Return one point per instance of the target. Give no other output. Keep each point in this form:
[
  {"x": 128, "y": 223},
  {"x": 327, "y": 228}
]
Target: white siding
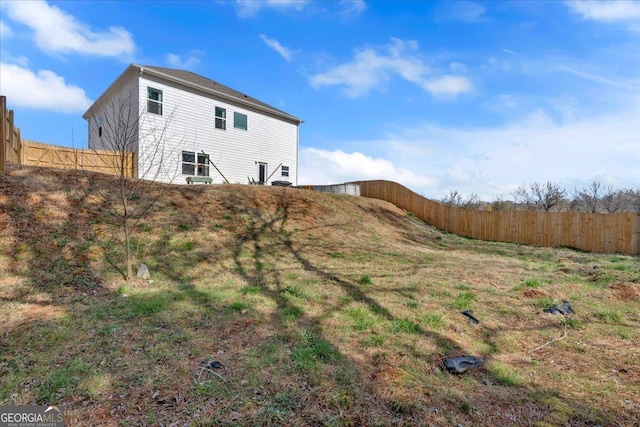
[
  {"x": 108, "y": 111},
  {"x": 188, "y": 123}
]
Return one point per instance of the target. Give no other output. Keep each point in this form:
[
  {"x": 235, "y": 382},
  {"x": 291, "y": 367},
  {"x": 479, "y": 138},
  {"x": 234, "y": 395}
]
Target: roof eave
[
  {"x": 219, "y": 94},
  {"x": 109, "y": 89}
]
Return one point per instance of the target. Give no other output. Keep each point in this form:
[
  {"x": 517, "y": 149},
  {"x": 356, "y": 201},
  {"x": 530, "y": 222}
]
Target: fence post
[
  {"x": 3, "y": 133},
  {"x": 638, "y": 234},
  {"x": 22, "y": 153}
]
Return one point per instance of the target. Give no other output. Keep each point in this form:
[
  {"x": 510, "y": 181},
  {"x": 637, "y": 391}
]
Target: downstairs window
[{"x": 195, "y": 164}]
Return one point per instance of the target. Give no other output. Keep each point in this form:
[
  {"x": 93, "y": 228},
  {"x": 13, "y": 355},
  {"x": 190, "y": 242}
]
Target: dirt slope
[{"x": 322, "y": 309}]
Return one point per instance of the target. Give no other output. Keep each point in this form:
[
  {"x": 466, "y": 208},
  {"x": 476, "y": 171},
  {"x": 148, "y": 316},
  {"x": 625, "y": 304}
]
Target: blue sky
[{"x": 478, "y": 97}]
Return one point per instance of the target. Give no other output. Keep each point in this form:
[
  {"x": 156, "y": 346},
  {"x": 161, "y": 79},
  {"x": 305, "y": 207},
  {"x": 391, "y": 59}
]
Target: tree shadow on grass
[
  {"x": 116, "y": 345},
  {"x": 266, "y": 236}
]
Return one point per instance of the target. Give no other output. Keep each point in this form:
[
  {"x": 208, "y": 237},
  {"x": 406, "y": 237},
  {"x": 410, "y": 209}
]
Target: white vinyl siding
[
  {"x": 236, "y": 152},
  {"x": 105, "y": 115}
]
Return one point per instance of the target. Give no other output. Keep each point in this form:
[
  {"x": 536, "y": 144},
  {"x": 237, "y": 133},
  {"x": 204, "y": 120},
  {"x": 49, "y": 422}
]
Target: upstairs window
[
  {"x": 100, "y": 126},
  {"x": 285, "y": 171},
  {"x": 195, "y": 164},
  {"x": 221, "y": 118},
  {"x": 154, "y": 101},
  {"x": 240, "y": 121}
]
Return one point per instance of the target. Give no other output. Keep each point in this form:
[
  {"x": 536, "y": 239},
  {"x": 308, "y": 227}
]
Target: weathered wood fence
[
  {"x": 37, "y": 154},
  {"x": 10, "y": 147},
  {"x": 605, "y": 233},
  {"x": 15, "y": 150}
]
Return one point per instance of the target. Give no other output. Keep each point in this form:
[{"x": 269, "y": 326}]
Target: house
[{"x": 180, "y": 124}]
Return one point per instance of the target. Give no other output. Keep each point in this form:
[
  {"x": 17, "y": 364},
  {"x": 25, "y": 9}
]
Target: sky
[{"x": 475, "y": 97}]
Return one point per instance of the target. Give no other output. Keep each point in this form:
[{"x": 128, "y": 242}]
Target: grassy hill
[{"x": 322, "y": 310}]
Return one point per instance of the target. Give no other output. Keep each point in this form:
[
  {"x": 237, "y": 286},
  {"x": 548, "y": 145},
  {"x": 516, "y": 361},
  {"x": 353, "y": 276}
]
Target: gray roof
[{"x": 213, "y": 87}]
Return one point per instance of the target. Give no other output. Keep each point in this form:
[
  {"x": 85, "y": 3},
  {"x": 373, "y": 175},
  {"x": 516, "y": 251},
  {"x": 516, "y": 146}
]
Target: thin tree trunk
[
  {"x": 127, "y": 232},
  {"x": 127, "y": 236}
]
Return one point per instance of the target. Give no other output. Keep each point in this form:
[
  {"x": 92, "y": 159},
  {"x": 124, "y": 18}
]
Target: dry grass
[{"x": 323, "y": 309}]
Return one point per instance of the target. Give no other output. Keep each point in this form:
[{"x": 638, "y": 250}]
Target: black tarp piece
[
  {"x": 210, "y": 364},
  {"x": 459, "y": 365},
  {"x": 470, "y": 316},
  {"x": 563, "y": 309}
]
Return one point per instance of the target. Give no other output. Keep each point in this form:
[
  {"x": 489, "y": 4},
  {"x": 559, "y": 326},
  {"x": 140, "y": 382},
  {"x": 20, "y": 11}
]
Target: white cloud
[
  {"x": 45, "y": 90},
  {"x": 192, "y": 60},
  {"x": 332, "y": 167},
  {"x": 457, "y": 67},
  {"x": 596, "y": 78},
  {"x": 448, "y": 86},
  {"x": 606, "y": 11},
  {"x": 370, "y": 69},
  {"x": 275, "y": 45},
  {"x": 57, "y": 31},
  {"x": 248, "y": 8},
  {"x": 492, "y": 161},
  {"x": 21, "y": 60},
  {"x": 461, "y": 11},
  {"x": 352, "y": 7},
  {"x": 5, "y": 30}
]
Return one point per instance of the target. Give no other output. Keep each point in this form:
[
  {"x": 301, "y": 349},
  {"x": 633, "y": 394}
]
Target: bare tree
[
  {"x": 118, "y": 130},
  {"x": 589, "y": 198},
  {"x": 626, "y": 200},
  {"x": 539, "y": 196},
  {"x": 454, "y": 198},
  {"x": 635, "y": 199},
  {"x": 499, "y": 204}
]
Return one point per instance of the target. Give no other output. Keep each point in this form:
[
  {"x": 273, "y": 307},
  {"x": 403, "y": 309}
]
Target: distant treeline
[{"x": 551, "y": 197}]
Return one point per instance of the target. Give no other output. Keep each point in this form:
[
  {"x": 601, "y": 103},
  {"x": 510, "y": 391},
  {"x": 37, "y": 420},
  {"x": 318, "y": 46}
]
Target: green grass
[
  {"x": 312, "y": 351},
  {"x": 239, "y": 306},
  {"x": 608, "y": 316},
  {"x": 294, "y": 291},
  {"x": 432, "y": 320},
  {"x": 533, "y": 283},
  {"x": 463, "y": 301},
  {"x": 250, "y": 290},
  {"x": 406, "y": 326},
  {"x": 291, "y": 313},
  {"x": 412, "y": 304},
  {"x": 544, "y": 302},
  {"x": 323, "y": 311},
  {"x": 505, "y": 375},
  {"x": 365, "y": 280},
  {"x": 361, "y": 318},
  {"x": 373, "y": 341}
]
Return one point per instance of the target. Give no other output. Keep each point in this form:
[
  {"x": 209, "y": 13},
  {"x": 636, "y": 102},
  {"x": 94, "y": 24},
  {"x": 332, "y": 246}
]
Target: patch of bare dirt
[
  {"x": 535, "y": 293},
  {"x": 625, "y": 291}
]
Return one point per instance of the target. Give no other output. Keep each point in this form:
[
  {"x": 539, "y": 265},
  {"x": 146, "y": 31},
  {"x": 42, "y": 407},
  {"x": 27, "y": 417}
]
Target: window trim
[
  {"x": 200, "y": 163},
  {"x": 246, "y": 121},
  {"x": 222, "y": 118},
  {"x": 158, "y": 102}
]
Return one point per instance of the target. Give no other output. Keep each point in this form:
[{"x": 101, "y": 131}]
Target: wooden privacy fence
[
  {"x": 37, "y": 154},
  {"x": 605, "y": 233},
  {"x": 10, "y": 147},
  {"x": 15, "y": 150}
]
